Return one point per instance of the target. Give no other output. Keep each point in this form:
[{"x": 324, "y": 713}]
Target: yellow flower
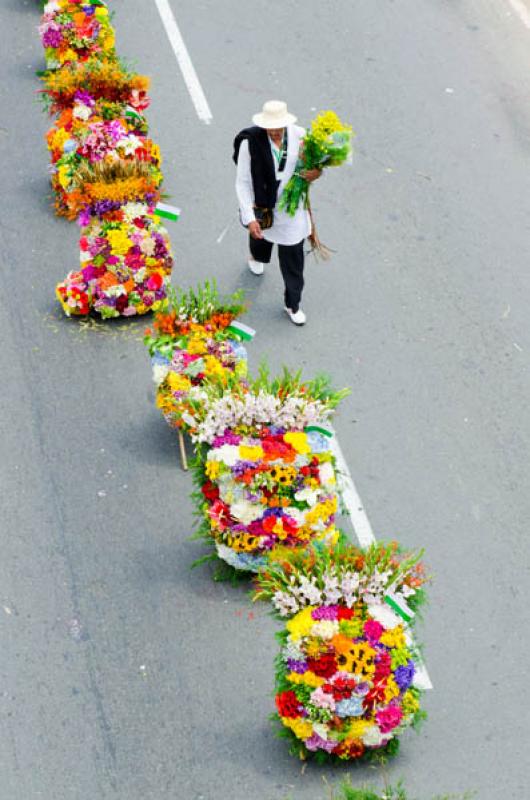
[
  {"x": 101, "y": 12},
  {"x": 68, "y": 55},
  {"x": 62, "y": 174},
  {"x": 283, "y": 475},
  {"x": 212, "y": 469},
  {"x": 356, "y": 728},
  {"x": 392, "y": 689},
  {"x": 119, "y": 242},
  {"x": 395, "y": 637},
  {"x": 301, "y": 624},
  {"x": 301, "y": 727},
  {"x": 178, "y": 383},
  {"x": 410, "y": 703},
  {"x": 298, "y": 441},
  {"x": 314, "y": 647},
  {"x": 327, "y": 123},
  {"x": 59, "y": 138},
  {"x": 196, "y": 346},
  {"x": 308, "y": 679},
  {"x": 250, "y": 452},
  {"x": 212, "y": 366}
]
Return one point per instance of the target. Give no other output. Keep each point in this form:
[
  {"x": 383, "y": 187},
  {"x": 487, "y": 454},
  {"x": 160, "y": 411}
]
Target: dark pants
[{"x": 291, "y": 257}]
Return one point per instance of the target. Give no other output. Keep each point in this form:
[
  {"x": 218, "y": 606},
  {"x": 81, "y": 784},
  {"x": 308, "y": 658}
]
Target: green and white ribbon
[
  {"x": 241, "y": 331},
  {"x": 398, "y": 604},
  {"x": 132, "y": 113},
  {"x": 322, "y": 429},
  {"x": 167, "y": 212}
]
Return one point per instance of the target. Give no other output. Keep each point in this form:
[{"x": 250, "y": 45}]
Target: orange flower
[{"x": 108, "y": 280}]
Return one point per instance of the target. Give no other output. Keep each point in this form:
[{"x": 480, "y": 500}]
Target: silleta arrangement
[
  {"x": 125, "y": 259},
  {"x": 345, "y": 677},
  {"x": 96, "y": 132},
  {"x": 327, "y": 144},
  {"x": 105, "y": 170},
  {"x": 265, "y": 470},
  {"x": 74, "y": 31},
  {"x": 195, "y": 339}
]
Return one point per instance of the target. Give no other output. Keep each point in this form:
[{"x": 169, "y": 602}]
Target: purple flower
[
  {"x": 84, "y": 217},
  {"x": 326, "y": 612},
  {"x": 52, "y": 37},
  {"x": 84, "y": 98},
  {"x": 228, "y": 437},
  {"x": 297, "y": 666},
  {"x": 316, "y": 742},
  {"x": 405, "y": 675}
]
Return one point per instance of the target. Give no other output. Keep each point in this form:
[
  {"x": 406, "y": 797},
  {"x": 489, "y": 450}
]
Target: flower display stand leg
[{"x": 183, "y": 456}]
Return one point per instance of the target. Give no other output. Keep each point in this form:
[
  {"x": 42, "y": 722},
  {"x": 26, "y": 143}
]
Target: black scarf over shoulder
[{"x": 261, "y": 165}]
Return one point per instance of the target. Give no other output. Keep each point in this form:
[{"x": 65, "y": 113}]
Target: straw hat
[{"x": 273, "y": 115}]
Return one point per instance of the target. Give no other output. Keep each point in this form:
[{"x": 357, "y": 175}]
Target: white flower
[
  {"x": 321, "y": 730},
  {"x": 331, "y": 589},
  {"x": 372, "y": 736},
  {"x": 82, "y": 112},
  {"x": 246, "y": 512},
  {"x": 310, "y": 591},
  {"x": 227, "y": 453},
  {"x": 309, "y": 495},
  {"x": 325, "y": 628},
  {"x": 287, "y": 606},
  {"x": 133, "y": 210},
  {"x": 292, "y": 649},
  {"x": 327, "y": 474},
  {"x": 159, "y": 373},
  {"x": 383, "y": 614}
]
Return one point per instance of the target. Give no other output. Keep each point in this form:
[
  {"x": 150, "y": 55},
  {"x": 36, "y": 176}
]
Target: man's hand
[
  {"x": 254, "y": 228},
  {"x": 311, "y": 175}
]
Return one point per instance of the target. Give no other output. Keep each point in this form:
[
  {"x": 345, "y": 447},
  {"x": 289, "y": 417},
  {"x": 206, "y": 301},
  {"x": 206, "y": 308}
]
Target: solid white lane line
[
  {"x": 184, "y": 61},
  {"x": 350, "y": 496},
  {"x": 365, "y": 534},
  {"x": 522, "y": 11}
]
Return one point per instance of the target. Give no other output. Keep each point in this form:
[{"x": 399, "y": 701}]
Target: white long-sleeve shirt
[{"x": 285, "y": 229}]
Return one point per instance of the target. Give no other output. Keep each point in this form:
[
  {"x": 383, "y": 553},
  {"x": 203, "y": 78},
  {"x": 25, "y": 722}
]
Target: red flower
[
  {"x": 219, "y": 512},
  {"x": 383, "y": 666},
  {"x": 287, "y": 704},
  {"x": 210, "y": 491},
  {"x": 346, "y": 613},
  {"x": 269, "y": 523},
  {"x": 342, "y": 688},
  {"x": 351, "y": 750},
  {"x": 376, "y": 694},
  {"x": 324, "y": 667}
]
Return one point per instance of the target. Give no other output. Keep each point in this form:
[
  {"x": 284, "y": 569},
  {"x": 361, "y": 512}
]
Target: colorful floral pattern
[
  {"x": 96, "y": 133},
  {"x": 74, "y": 30},
  {"x": 125, "y": 261},
  {"x": 274, "y": 490},
  {"x": 346, "y": 674}
]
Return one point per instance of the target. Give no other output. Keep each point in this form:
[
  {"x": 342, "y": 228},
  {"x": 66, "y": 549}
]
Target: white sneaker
[
  {"x": 256, "y": 267},
  {"x": 298, "y": 317}
]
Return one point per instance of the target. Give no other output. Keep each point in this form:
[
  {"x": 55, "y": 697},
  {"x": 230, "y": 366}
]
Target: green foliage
[{"x": 291, "y": 383}]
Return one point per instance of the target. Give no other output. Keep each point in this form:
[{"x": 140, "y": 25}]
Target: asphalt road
[{"x": 123, "y": 674}]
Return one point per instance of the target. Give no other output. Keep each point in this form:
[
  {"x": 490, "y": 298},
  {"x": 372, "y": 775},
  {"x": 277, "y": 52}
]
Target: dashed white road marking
[
  {"x": 364, "y": 532},
  {"x": 191, "y": 78}
]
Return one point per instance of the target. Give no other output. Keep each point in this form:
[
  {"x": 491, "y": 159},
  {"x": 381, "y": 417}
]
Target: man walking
[{"x": 266, "y": 156}]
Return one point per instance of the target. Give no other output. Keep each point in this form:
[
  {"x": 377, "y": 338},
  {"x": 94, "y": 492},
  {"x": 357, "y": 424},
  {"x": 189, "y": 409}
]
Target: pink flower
[
  {"x": 388, "y": 718},
  {"x": 373, "y": 630},
  {"x": 322, "y": 699}
]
